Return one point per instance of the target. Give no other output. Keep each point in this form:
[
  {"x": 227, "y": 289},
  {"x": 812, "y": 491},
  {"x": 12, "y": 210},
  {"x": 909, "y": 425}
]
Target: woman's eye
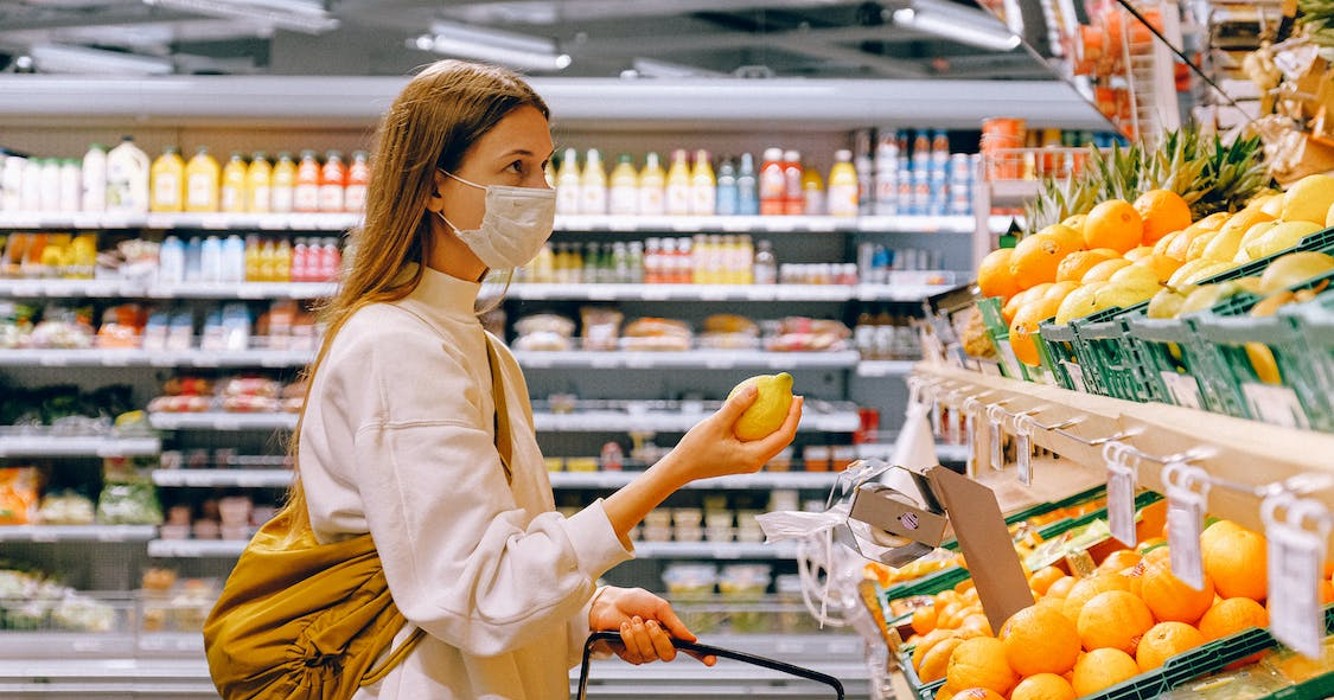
[{"x": 517, "y": 167}]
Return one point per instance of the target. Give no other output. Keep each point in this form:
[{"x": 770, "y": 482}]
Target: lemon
[
  {"x": 1309, "y": 199},
  {"x": 770, "y": 408}
]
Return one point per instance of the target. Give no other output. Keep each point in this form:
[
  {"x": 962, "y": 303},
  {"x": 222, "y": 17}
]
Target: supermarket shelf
[
  {"x": 692, "y": 359},
  {"x": 1250, "y": 456},
  {"x": 741, "y": 482},
  {"x": 77, "y": 533},
  {"x": 196, "y": 549},
  {"x": 884, "y": 368},
  {"x": 216, "y": 420},
  {"x": 210, "y": 478},
  {"x": 623, "y": 421},
  {"x": 47, "y": 445},
  {"x": 117, "y": 288},
  {"x": 683, "y": 292},
  {"x": 192, "y": 221},
  {"x": 899, "y": 292},
  {"x": 714, "y": 550},
  {"x": 96, "y": 357}
]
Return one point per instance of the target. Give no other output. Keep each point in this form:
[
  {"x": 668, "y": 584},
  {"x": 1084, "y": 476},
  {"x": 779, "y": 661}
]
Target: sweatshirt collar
[{"x": 442, "y": 296}]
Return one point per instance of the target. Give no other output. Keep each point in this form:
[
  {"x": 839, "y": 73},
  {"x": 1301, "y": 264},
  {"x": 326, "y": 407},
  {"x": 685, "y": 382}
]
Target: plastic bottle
[
  {"x": 300, "y": 269},
  {"x": 747, "y": 188},
  {"x": 812, "y": 192},
  {"x": 358, "y": 178},
  {"x": 635, "y": 261},
  {"x": 259, "y": 184},
  {"x": 201, "y": 182},
  {"x": 921, "y": 151},
  {"x": 333, "y": 180},
  {"x": 283, "y": 182},
  {"x": 282, "y": 261},
  {"x": 330, "y": 260},
  {"x": 11, "y": 183},
  {"x": 70, "y": 185},
  {"x": 652, "y": 187},
  {"x": 727, "y": 196},
  {"x": 593, "y": 185},
  {"x": 940, "y": 150},
  {"x": 652, "y": 260},
  {"x": 624, "y": 192},
  {"x": 168, "y": 182},
  {"x": 94, "y": 171},
  {"x": 210, "y": 260},
  {"x": 773, "y": 183},
  {"x": 30, "y": 195},
  {"x": 568, "y": 197},
  {"x": 703, "y": 186},
  {"x": 794, "y": 201},
  {"x": 233, "y": 259},
  {"x": 232, "y": 195},
  {"x": 49, "y": 199},
  {"x": 265, "y": 261},
  {"x": 194, "y": 251},
  {"x": 171, "y": 261},
  {"x": 765, "y": 268},
  {"x": 127, "y": 178},
  {"x": 843, "y": 186},
  {"x": 306, "y": 188},
  {"x": 678, "y": 185},
  {"x": 252, "y": 268}
]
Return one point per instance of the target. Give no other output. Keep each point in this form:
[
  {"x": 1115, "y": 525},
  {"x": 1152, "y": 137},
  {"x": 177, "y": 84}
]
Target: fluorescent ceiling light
[
  {"x": 293, "y": 15},
  {"x": 970, "y": 27},
  {"x": 653, "y": 68},
  {"x": 64, "y": 58},
  {"x": 484, "y": 44}
]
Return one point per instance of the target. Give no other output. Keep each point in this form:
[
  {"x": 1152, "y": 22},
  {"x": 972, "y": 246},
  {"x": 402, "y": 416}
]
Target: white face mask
[{"x": 517, "y": 223}]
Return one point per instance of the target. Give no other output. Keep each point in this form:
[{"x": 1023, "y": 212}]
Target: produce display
[
  {"x": 235, "y": 394},
  {"x": 30, "y": 601},
  {"x": 602, "y": 330}
]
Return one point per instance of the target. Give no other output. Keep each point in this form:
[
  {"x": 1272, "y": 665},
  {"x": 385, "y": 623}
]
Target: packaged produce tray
[{"x": 999, "y": 332}]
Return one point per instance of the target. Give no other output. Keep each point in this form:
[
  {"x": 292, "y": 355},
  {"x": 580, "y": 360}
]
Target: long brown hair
[{"x": 441, "y": 113}]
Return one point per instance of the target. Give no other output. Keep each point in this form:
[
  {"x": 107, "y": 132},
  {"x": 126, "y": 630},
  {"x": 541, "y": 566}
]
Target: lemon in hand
[{"x": 770, "y": 408}]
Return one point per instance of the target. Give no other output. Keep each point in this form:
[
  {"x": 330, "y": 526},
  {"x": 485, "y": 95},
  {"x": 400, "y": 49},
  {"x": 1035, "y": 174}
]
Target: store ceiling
[{"x": 602, "y": 38}]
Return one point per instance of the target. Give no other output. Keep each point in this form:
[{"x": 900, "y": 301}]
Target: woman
[{"x": 399, "y": 435}]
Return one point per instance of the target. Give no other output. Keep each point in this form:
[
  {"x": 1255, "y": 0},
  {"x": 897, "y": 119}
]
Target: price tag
[
  {"x": 989, "y": 368},
  {"x": 1076, "y": 375},
  {"x": 116, "y": 359},
  {"x": 970, "y": 436},
  {"x": 655, "y": 293},
  {"x": 760, "y": 292},
  {"x": 226, "y": 424},
  {"x": 780, "y": 225},
  {"x": 638, "y": 360},
  {"x": 597, "y": 361},
  {"x": 537, "y": 361},
  {"x": 937, "y": 420},
  {"x": 952, "y": 425},
  {"x": 1275, "y": 404},
  {"x": 1296, "y": 568},
  {"x": 1023, "y": 445},
  {"x": 111, "y": 534},
  {"x": 713, "y": 293},
  {"x": 994, "y": 437},
  {"x": 1121, "y": 499},
  {"x": 54, "y": 358},
  {"x": 596, "y": 293},
  {"x": 1009, "y": 359},
  {"x": 1185, "y": 520},
  {"x": 1184, "y": 390},
  {"x": 780, "y": 363}
]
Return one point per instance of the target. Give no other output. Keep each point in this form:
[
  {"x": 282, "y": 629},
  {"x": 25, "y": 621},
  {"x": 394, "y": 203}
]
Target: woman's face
[{"x": 514, "y": 153}]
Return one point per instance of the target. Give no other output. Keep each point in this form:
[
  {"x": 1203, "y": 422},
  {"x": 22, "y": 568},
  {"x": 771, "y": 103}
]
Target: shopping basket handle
[{"x": 706, "y": 650}]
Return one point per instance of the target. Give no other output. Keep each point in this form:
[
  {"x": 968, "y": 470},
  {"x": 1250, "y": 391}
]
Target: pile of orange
[{"x": 1087, "y": 634}]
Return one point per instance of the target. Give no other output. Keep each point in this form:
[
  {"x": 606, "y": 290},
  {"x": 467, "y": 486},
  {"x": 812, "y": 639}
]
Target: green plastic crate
[
  {"x": 1169, "y": 353},
  {"x": 930, "y": 584},
  {"x": 999, "y": 331},
  {"x": 1316, "y": 323},
  {"x": 1108, "y": 351},
  {"x": 1056, "y": 344}
]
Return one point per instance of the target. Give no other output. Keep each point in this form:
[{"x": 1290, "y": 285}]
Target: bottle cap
[
  {"x": 791, "y": 156},
  {"x": 773, "y": 154},
  {"x": 843, "y": 155}
]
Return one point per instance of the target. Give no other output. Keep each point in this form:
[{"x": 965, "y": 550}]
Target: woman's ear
[{"x": 436, "y": 202}]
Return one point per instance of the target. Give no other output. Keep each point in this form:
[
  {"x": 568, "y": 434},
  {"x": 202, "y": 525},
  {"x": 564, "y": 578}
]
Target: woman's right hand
[{"x": 711, "y": 448}]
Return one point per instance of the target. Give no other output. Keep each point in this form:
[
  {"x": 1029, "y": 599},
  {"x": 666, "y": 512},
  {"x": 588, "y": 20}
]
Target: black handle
[{"x": 706, "y": 650}]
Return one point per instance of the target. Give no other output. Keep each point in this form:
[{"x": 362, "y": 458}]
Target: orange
[
  {"x": 994, "y": 277},
  {"x": 1135, "y": 575},
  {"x": 1161, "y": 265},
  {"x": 1036, "y": 258},
  {"x": 1163, "y": 212},
  {"x": 935, "y": 661},
  {"x": 1163, "y": 641},
  {"x": 1161, "y": 554},
  {"x": 1058, "y": 291},
  {"x": 978, "y": 621},
  {"x": 1231, "y": 616},
  {"x": 928, "y": 641},
  {"x": 1070, "y": 237},
  {"x": 1017, "y": 301},
  {"x": 1024, "y": 329},
  {"x": 1085, "y": 590},
  {"x": 977, "y": 694},
  {"x": 1102, "y": 668},
  {"x": 944, "y": 598},
  {"x": 1044, "y": 578},
  {"x": 1039, "y": 639},
  {"x": 1237, "y": 560},
  {"x": 1043, "y": 686},
  {"x": 1119, "y": 560},
  {"x": 1076, "y": 264},
  {"x": 981, "y": 663},
  {"x": 1137, "y": 254},
  {"x": 1061, "y": 588},
  {"x": 1171, "y": 599},
  {"x": 1114, "y": 619},
  {"x": 1104, "y": 270},
  {"x": 1113, "y": 224},
  {"x": 924, "y": 620}
]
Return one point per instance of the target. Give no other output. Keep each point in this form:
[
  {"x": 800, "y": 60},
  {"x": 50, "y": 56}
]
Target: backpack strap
[{"x": 504, "y": 438}]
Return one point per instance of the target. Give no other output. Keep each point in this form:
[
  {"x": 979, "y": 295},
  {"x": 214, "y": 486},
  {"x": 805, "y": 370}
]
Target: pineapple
[{"x": 1317, "y": 17}]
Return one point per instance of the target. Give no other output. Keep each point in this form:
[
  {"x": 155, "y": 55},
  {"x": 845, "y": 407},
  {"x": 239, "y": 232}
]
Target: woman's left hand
[{"x": 645, "y": 621}]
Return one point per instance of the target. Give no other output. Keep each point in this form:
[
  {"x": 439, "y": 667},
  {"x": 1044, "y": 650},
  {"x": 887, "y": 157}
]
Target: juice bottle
[
  {"x": 624, "y": 193},
  {"x": 252, "y": 269},
  {"x": 593, "y": 185},
  {"x": 259, "y": 184},
  {"x": 70, "y": 185},
  {"x": 703, "y": 186},
  {"x": 331, "y": 259},
  {"x": 234, "y": 184},
  {"x": 94, "y": 173},
  {"x": 747, "y": 188},
  {"x": 728, "y": 198},
  {"x": 794, "y": 201},
  {"x": 306, "y": 189},
  {"x": 50, "y": 185},
  {"x": 201, "y": 182},
  {"x": 358, "y": 178},
  {"x": 282, "y": 262},
  {"x": 333, "y": 179},
  {"x": 210, "y": 260},
  {"x": 746, "y": 261},
  {"x": 300, "y": 261},
  {"x": 764, "y": 270},
  {"x": 772, "y": 182},
  {"x": 127, "y": 178},
  {"x": 921, "y": 151},
  {"x": 812, "y": 190},
  {"x": 843, "y": 186},
  {"x": 678, "y": 185},
  {"x": 265, "y": 262},
  {"x": 233, "y": 259},
  {"x": 283, "y": 182},
  {"x": 567, "y": 184},
  {"x": 652, "y": 187},
  {"x": 168, "y": 182}
]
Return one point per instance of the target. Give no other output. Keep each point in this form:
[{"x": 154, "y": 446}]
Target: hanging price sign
[
  {"x": 1187, "y": 500},
  {"x": 995, "y": 437},
  {"x": 1023, "y": 448},
  {"x": 1297, "y": 531},
  {"x": 1121, "y": 483}
]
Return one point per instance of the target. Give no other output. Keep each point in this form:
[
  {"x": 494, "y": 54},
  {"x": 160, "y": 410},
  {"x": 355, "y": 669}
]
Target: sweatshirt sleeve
[{"x": 464, "y": 562}]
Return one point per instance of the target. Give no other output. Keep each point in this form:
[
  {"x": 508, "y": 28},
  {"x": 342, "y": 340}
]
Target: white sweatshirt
[{"x": 398, "y": 441}]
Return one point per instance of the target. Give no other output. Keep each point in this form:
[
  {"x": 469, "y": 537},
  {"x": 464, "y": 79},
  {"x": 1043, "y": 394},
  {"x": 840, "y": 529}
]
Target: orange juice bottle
[
  {"x": 358, "y": 178},
  {"x": 842, "y": 196},
  {"x": 201, "y": 182},
  {"x": 259, "y": 184},
  {"x": 306, "y": 196},
  {"x": 168, "y": 181},
  {"x": 234, "y": 184},
  {"x": 703, "y": 186},
  {"x": 283, "y": 184},
  {"x": 678, "y": 185},
  {"x": 333, "y": 180}
]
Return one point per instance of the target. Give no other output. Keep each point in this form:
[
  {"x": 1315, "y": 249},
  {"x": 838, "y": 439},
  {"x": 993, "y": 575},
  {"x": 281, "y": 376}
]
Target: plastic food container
[{"x": 745, "y": 583}]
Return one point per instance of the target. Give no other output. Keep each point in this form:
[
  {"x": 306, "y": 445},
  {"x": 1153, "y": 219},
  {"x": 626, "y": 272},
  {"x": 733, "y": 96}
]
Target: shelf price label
[
  {"x": 1023, "y": 448},
  {"x": 1297, "y": 531},
  {"x": 1275, "y": 404},
  {"x": 994, "y": 437},
  {"x": 1187, "y": 500},
  {"x": 1121, "y": 483},
  {"x": 1183, "y": 389}
]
